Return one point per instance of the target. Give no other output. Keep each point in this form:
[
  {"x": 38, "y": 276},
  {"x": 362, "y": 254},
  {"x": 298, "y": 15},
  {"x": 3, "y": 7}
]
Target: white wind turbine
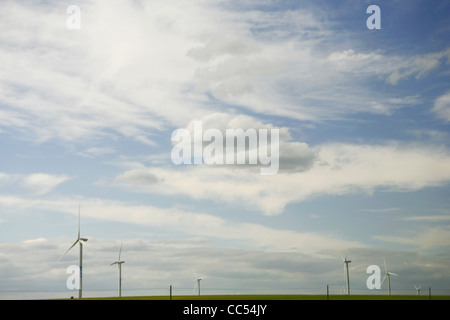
[
  {"x": 198, "y": 279},
  {"x": 346, "y": 262},
  {"x": 388, "y": 276},
  {"x": 418, "y": 289},
  {"x": 82, "y": 242},
  {"x": 119, "y": 263}
]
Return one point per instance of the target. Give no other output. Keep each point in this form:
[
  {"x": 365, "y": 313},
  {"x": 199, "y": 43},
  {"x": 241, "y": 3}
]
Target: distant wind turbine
[
  {"x": 346, "y": 262},
  {"x": 119, "y": 263},
  {"x": 418, "y": 289},
  {"x": 388, "y": 276},
  {"x": 198, "y": 279},
  {"x": 82, "y": 242}
]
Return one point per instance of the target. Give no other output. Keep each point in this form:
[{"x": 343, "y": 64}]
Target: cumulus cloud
[{"x": 292, "y": 155}]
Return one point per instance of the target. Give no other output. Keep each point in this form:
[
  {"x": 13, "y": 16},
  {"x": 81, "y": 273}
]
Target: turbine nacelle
[{"x": 345, "y": 260}]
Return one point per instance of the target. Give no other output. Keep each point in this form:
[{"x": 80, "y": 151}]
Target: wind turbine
[
  {"x": 82, "y": 242},
  {"x": 198, "y": 279},
  {"x": 388, "y": 276},
  {"x": 418, "y": 289},
  {"x": 346, "y": 262},
  {"x": 119, "y": 263}
]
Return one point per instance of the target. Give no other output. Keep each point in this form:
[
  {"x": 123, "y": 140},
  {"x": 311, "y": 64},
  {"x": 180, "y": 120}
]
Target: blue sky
[{"x": 86, "y": 117}]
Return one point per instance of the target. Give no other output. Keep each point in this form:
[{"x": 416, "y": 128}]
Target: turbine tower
[
  {"x": 418, "y": 289},
  {"x": 82, "y": 242},
  {"x": 388, "y": 276},
  {"x": 198, "y": 285},
  {"x": 198, "y": 279},
  {"x": 119, "y": 263},
  {"x": 346, "y": 262}
]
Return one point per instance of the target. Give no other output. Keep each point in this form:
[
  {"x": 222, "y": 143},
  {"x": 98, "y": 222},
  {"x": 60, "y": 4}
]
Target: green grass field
[{"x": 282, "y": 297}]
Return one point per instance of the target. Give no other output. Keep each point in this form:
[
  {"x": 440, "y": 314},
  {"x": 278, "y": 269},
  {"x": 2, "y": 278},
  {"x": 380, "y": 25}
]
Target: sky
[{"x": 87, "y": 116}]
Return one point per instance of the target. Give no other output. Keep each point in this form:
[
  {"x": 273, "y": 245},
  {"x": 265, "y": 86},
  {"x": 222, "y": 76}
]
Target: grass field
[{"x": 282, "y": 297}]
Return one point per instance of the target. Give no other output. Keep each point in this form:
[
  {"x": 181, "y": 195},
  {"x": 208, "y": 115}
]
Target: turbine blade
[
  {"x": 383, "y": 279},
  {"x": 113, "y": 263},
  {"x": 393, "y": 274},
  {"x": 79, "y": 213},
  {"x": 83, "y": 241},
  {"x": 385, "y": 267},
  {"x": 195, "y": 287},
  {"x": 120, "y": 252},
  {"x": 74, "y": 244}
]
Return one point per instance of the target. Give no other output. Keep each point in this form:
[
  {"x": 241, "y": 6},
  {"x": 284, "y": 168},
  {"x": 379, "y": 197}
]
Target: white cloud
[
  {"x": 41, "y": 183},
  {"x": 190, "y": 224},
  {"x": 38, "y": 183},
  {"x": 442, "y": 107},
  {"x": 160, "y": 65},
  {"x": 383, "y": 210},
  {"x": 98, "y": 151},
  {"x": 393, "y": 68},
  {"x": 338, "y": 169},
  {"x": 428, "y": 218},
  {"x": 293, "y": 155},
  {"x": 433, "y": 135},
  {"x": 34, "y": 271},
  {"x": 434, "y": 237}
]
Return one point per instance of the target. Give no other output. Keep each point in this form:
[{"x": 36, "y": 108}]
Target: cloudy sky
[{"x": 87, "y": 115}]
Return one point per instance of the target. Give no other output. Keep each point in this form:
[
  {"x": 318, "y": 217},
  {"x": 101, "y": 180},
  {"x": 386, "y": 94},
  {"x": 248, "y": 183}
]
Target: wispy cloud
[
  {"x": 441, "y": 218},
  {"x": 338, "y": 169},
  {"x": 41, "y": 183},
  {"x": 98, "y": 151},
  {"x": 442, "y": 107},
  {"x": 250, "y": 235},
  {"x": 109, "y": 95},
  {"x": 383, "y": 210},
  {"x": 123, "y": 84},
  {"x": 37, "y": 183},
  {"x": 429, "y": 238}
]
